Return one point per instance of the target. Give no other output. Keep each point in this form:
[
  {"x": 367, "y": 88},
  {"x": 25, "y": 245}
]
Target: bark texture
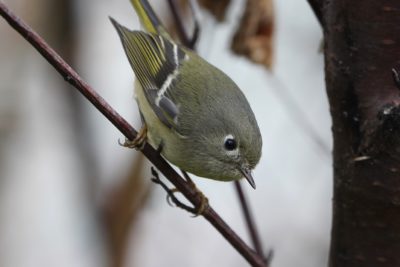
[{"x": 362, "y": 45}]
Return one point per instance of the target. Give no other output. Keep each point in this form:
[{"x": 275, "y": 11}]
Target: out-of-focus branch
[
  {"x": 251, "y": 226},
  {"x": 74, "y": 79},
  {"x": 183, "y": 35}
]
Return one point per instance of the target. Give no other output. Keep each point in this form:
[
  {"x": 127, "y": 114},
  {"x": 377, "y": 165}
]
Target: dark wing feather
[{"x": 155, "y": 61}]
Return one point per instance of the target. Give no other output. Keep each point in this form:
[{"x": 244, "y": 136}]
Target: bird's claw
[
  {"x": 139, "y": 142},
  {"x": 171, "y": 198}
]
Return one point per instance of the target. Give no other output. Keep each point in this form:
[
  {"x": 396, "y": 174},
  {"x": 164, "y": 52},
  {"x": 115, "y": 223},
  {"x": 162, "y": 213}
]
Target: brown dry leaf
[
  {"x": 254, "y": 37},
  {"x": 216, "y": 8},
  {"x": 121, "y": 209}
]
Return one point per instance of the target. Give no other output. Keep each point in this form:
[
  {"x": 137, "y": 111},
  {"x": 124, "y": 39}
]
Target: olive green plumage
[{"x": 193, "y": 111}]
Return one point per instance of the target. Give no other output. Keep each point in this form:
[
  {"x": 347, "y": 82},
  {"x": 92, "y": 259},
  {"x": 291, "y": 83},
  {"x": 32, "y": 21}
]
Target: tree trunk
[{"x": 362, "y": 45}]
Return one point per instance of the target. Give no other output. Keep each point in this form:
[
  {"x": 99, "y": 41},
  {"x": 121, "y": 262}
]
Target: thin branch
[
  {"x": 75, "y": 80},
  {"x": 299, "y": 117},
  {"x": 183, "y": 35},
  {"x": 316, "y": 6},
  {"x": 249, "y": 219}
]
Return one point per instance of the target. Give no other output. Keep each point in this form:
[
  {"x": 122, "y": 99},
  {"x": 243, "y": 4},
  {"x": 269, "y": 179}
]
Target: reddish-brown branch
[
  {"x": 249, "y": 219},
  {"x": 75, "y": 80}
]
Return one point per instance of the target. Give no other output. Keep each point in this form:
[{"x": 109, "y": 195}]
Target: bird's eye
[{"x": 230, "y": 144}]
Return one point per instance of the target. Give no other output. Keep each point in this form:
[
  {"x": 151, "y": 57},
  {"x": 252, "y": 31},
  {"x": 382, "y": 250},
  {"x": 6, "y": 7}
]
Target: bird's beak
[{"x": 247, "y": 174}]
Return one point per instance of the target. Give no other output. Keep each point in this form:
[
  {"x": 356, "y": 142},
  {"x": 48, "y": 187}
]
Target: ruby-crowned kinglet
[{"x": 193, "y": 112}]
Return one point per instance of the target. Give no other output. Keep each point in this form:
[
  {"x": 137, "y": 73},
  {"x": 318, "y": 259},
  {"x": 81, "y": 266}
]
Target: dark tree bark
[{"x": 362, "y": 45}]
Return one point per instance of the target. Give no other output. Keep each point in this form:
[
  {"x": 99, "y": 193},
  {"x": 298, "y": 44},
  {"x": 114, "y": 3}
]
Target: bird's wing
[{"x": 155, "y": 61}]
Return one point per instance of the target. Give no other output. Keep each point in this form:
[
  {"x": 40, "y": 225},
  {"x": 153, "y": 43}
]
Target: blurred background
[{"x": 71, "y": 196}]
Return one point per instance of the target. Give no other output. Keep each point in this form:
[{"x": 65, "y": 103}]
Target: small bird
[{"x": 192, "y": 112}]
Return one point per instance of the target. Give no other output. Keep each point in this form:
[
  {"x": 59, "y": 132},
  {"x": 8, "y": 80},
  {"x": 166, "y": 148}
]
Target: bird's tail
[{"x": 149, "y": 18}]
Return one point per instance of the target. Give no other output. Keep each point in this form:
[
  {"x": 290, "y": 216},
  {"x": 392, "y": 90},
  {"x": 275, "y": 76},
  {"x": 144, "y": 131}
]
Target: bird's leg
[
  {"x": 203, "y": 199},
  {"x": 139, "y": 141},
  {"x": 196, "y": 211},
  {"x": 171, "y": 193},
  {"x": 160, "y": 147}
]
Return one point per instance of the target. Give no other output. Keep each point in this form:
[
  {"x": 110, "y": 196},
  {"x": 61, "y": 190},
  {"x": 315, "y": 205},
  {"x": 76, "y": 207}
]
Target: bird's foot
[
  {"x": 139, "y": 141},
  {"x": 203, "y": 199},
  {"x": 171, "y": 198}
]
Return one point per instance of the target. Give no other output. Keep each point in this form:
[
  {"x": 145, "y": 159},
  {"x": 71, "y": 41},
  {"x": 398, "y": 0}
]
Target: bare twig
[
  {"x": 183, "y": 35},
  {"x": 74, "y": 79},
  {"x": 249, "y": 219},
  {"x": 299, "y": 117}
]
